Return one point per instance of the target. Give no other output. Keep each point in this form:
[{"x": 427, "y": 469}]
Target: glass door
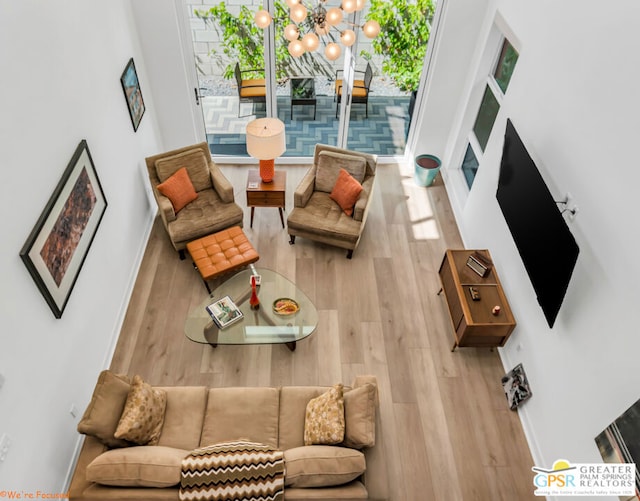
[{"x": 306, "y": 94}]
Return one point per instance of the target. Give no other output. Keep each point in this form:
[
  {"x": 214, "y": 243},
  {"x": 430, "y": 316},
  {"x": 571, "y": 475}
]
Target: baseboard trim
[{"x": 114, "y": 335}]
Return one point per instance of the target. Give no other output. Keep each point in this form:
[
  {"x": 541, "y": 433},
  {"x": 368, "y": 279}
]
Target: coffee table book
[{"x": 224, "y": 312}]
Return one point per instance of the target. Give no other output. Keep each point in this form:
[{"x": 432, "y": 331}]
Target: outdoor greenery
[
  {"x": 242, "y": 42},
  {"x": 403, "y": 38},
  {"x": 402, "y": 41}
]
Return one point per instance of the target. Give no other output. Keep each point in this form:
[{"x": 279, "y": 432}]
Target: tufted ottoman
[{"x": 221, "y": 252}]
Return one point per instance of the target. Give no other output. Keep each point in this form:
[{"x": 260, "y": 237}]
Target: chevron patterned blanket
[{"x": 233, "y": 471}]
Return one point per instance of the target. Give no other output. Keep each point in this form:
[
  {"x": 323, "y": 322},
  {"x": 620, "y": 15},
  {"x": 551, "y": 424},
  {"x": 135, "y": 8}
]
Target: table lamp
[{"x": 266, "y": 142}]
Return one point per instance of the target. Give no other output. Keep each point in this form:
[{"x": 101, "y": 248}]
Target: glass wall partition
[{"x": 225, "y": 36}]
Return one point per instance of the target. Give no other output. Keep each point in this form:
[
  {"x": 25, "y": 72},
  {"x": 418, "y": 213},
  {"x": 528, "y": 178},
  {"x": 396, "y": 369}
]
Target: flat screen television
[{"x": 547, "y": 247}]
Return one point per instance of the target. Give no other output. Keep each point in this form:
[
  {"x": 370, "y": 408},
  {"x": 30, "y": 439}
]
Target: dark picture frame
[
  {"x": 516, "y": 387},
  {"x": 620, "y": 442},
  {"x": 132, "y": 93},
  {"x": 57, "y": 246}
]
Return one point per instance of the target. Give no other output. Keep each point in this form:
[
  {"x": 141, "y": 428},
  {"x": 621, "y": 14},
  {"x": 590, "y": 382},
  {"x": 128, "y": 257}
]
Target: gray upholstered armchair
[
  {"x": 213, "y": 210},
  {"x": 316, "y": 215}
]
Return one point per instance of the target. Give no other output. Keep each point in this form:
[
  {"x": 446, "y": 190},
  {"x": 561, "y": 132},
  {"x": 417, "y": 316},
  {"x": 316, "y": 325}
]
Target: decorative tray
[{"x": 285, "y": 306}]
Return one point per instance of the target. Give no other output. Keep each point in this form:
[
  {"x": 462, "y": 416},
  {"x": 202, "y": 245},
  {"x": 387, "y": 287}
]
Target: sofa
[{"x": 109, "y": 467}]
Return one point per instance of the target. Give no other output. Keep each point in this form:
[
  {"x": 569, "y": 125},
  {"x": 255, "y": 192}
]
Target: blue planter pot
[{"x": 427, "y": 168}]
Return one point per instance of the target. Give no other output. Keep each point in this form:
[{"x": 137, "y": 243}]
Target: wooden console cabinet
[{"x": 474, "y": 322}]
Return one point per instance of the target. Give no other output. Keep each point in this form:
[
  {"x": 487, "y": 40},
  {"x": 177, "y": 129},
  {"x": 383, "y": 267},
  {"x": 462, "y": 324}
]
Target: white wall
[
  {"x": 574, "y": 100},
  {"x": 167, "y": 50},
  {"x": 61, "y": 63}
]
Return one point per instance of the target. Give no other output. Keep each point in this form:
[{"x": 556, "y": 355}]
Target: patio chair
[
  {"x": 250, "y": 90},
  {"x": 361, "y": 89}
]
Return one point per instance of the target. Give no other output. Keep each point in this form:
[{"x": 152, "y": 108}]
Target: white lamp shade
[
  {"x": 291, "y": 32},
  {"x": 371, "y": 29},
  {"x": 334, "y": 16},
  {"x": 348, "y": 38},
  {"x": 291, "y": 3},
  {"x": 349, "y": 6},
  {"x": 262, "y": 19},
  {"x": 360, "y": 4},
  {"x": 265, "y": 138},
  {"x": 298, "y": 13},
  {"x": 296, "y": 49},
  {"x": 332, "y": 51},
  {"x": 310, "y": 42}
]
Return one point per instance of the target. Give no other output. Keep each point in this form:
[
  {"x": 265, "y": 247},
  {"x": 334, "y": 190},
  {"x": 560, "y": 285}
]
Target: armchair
[
  {"x": 213, "y": 210},
  {"x": 361, "y": 89},
  {"x": 315, "y": 215},
  {"x": 249, "y": 90}
]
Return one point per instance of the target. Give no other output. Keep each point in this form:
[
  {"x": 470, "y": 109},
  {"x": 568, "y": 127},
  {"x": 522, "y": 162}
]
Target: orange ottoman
[{"x": 221, "y": 252}]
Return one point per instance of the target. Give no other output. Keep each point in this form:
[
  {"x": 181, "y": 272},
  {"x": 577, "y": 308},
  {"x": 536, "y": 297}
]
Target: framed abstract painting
[
  {"x": 57, "y": 246},
  {"x": 132, "y": 93}
]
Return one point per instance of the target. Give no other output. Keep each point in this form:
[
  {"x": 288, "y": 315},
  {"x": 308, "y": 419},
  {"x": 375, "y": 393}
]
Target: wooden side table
[
  {"x": 487, "y": 320},
  {"x": 261, "y": 194}
]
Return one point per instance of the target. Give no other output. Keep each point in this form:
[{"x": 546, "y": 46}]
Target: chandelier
[{"x": 319, "y": 21}]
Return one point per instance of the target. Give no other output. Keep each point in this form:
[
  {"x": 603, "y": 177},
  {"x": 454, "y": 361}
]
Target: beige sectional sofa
[{"x": 200, "y": 416}]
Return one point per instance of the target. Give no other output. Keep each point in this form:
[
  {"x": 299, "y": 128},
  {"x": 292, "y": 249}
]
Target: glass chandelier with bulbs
[{"x": 322, "y": 19}]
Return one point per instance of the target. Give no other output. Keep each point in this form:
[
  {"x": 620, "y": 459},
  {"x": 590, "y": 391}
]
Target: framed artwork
[
  {"x": 620, "y": 442},
  {"x": 516, "y": 387},
  {"x": 132, "y": 93},
  {"x": 59, "y": 242}
]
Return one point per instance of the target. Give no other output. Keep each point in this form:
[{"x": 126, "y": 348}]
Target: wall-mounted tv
[{"x": 540, "y": 232}]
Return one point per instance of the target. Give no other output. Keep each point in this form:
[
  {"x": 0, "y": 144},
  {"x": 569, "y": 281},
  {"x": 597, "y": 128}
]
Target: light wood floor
[{"x": 446, "y": 432}]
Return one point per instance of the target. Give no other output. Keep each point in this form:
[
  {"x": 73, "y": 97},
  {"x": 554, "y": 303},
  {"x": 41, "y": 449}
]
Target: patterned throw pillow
[
  {"x": 324, "y": 418},
  {"x": 143, "y": 416}
]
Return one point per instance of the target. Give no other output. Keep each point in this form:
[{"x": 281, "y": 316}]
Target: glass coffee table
[{"x": 261, "y": 326}]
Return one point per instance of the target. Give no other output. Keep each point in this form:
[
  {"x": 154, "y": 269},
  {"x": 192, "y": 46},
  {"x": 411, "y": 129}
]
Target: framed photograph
[
  {"x": 224, "y": 312},
  {"x": 132, "y": 93},
  {"x": 620, "y": 442},
  {"x": 59, "y": 242},
  {"x": 516, "y": 387}
]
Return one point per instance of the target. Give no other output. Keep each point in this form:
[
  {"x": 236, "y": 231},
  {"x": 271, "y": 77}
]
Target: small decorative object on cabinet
[{"x": 479, "y": 311}]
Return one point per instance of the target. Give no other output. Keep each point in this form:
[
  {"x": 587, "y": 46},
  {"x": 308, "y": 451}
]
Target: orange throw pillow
[
  {"x": 179, "y": 189},
  {"x": 346, "y": 191}
]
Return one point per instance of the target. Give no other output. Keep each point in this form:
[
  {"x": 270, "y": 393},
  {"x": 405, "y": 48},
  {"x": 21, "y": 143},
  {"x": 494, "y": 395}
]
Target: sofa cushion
[
  {"x": 139, "y": 466},
  {"x": 193, "y": 222},
  {"x": 184, "y": 416},
  {"x": 360, "y": 417},
  {"x": 293, "y": 406},
  {"x": 329, "y": 165},
  {"x": 143, "y": 416},
  {"x": 103, "y": 413},
  {"x": 247, "y": 413},
  {"x": 179, "y": 189},
  {"x": 324, "y": 418},
  {"x": 324, "y": 218},
  {"x": 195, "y": 162},
  {"x": 346, "y": 192},
  {"x": 322, "y": 466}
]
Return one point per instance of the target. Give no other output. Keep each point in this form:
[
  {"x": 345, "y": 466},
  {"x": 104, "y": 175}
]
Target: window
[
  {"x": 486, "y": 117},
  {"x": 469, "y": 165},
  {"x": 497, "y": 83},
  {"x": 506, "y": 65}
]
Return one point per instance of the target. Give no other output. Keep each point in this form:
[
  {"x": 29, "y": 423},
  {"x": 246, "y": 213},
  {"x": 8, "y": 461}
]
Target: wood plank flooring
[{"x": 445, "y": 431}]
